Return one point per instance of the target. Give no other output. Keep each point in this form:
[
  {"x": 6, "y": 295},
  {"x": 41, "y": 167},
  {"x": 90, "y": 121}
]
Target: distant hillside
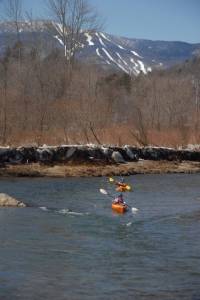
[
  {"x": 189, "y": 67},
  {"x": 111, "y": 52}
]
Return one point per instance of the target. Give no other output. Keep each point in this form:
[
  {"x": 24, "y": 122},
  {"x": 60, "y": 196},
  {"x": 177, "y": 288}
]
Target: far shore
[{"x": 96, "y": 170}]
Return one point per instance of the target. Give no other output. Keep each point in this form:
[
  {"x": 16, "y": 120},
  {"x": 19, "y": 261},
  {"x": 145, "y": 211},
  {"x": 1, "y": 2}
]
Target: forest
[{"x": 59, "y": 100}]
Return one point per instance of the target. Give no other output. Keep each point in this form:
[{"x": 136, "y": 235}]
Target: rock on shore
[
  {"x": 92, "y": 154},
  {"x": 8, "y": 201}
]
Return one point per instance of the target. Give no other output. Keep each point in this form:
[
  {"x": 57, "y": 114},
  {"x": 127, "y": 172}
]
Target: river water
[{"x": 70, "y": 245}]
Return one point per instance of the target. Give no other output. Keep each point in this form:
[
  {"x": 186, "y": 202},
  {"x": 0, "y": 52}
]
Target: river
[{"x": 70, "y": 245}]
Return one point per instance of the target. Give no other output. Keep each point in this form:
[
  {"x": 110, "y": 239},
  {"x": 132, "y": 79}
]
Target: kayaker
[
  {"x": 121, "y": 183},
  {"x": 119, "y": 199},
  {"x": 122, "y": 180}
]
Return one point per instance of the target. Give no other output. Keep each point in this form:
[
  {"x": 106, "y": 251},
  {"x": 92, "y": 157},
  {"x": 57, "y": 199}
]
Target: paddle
[
  {"x": 112, "y": 180},
  {"x": 104, "y": 192}
]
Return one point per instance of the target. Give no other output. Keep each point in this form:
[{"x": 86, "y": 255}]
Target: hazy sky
[{"x": 150, "y": 19}]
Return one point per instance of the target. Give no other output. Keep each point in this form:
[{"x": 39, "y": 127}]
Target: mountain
[{"x": 111, "y": 52}]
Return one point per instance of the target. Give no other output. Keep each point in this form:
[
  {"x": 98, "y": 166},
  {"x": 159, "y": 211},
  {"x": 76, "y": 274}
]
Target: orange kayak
[
  {"x": 121, "y": 189},
  {"x": 120, "y": 208}
]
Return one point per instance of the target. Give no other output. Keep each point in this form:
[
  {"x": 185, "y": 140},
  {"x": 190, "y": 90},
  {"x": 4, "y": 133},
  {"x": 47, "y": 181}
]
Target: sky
[{"x": 169, "y": 20}]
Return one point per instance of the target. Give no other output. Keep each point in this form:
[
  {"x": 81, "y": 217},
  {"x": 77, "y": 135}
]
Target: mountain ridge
[{"x": 129, "y": 55}]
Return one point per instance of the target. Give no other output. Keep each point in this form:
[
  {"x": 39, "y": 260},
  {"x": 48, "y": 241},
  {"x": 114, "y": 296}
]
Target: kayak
[
  {"x": 122, "y": 189},
  {"x": 120, "y": 208},
  {"x": 121, "y": 186}
]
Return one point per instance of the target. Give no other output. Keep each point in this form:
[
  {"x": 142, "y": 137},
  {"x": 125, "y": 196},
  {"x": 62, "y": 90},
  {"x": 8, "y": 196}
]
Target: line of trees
[{"x": 58, "y": 100}]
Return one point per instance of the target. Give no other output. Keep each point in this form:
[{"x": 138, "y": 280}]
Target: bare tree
[
  {"x": 59, "y": 9},
  {"x": 4, "y": 104},
  {"x": 13, "y": 10},
  {"x": 141, "y": 132},
  {"x": 73, "y": 16}
]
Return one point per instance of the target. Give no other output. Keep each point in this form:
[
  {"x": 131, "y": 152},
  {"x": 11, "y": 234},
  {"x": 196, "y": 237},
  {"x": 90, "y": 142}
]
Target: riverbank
[
  {"x": 94, "y": 160},
  {"x": 90, "y": 169}
]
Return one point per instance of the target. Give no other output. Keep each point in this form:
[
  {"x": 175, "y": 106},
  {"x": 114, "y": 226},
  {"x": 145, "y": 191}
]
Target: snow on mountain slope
[
  {"x": 109, "y": 53},
  {"x": 132, "y": 56}
]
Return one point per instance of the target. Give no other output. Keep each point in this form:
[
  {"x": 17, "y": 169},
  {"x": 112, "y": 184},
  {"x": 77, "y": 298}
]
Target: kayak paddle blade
[
  {"x": 134, "y": 209},
  {"x": 103, "y": 191},
  {"x": 111, "y": 179}
]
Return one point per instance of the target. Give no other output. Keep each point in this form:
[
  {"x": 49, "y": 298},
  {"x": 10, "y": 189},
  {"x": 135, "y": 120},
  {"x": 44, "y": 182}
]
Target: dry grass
[
  {"x": 86, "y": 170},
  {"x": 116, "y": 135}
]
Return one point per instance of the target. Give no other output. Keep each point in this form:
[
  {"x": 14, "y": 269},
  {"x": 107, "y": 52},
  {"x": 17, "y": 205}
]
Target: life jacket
[{"x": 119, "y": 200}]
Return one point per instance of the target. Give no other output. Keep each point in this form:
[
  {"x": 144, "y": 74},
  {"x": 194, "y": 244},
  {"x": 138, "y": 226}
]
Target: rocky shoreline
[{"x": 63, "y": 161}]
